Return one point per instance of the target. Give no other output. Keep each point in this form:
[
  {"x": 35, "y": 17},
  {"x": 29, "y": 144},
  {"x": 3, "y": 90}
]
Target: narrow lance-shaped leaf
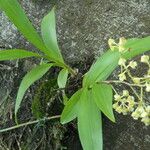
[
  {"x": 71, "y": 108},
  {"x": 136, "y": 47},
  {"x": 89, "y": 122},
  {"x": 102, "y": 68},
  {"x": 16, "y": 54},
  {"x": 35, "y": 74},
  {"x": 62, "y": 78},
  {"x": 102, "y": 95},
  {"x": 15, "y": 13},
  {"x": 48, "y": 28}
]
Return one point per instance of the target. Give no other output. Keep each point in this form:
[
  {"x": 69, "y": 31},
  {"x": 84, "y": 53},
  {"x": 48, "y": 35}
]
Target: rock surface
[{"x": 83, "y": 28}]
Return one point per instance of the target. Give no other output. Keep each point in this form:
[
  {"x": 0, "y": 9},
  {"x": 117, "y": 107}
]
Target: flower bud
[
  {"x": 147, "y": 87},
  {"x": 111, "y": 43},
  {"x": 136, "y": 80},
  {"x": 125, "y": 93},
  {"x": 122, "y": 42},
  {"x": 117, "y": 97},
  {"x": 146, "y": 121},
  {"x": 122, "y": 62},
  {"x": 133, "y": 64},
  {"x": 145, "y": 58},
  {"x": 122, "y": 77},
  {"x": 135, "y": 115}
]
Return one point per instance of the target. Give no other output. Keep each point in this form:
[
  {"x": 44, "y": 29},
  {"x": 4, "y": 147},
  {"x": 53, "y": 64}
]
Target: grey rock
[
  {"x": 125, "y": 134},
  {"x": 83, "y": 28}
]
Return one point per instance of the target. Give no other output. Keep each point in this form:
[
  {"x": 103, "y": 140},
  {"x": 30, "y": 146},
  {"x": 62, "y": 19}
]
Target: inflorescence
[{"x": 135, "y": 104}]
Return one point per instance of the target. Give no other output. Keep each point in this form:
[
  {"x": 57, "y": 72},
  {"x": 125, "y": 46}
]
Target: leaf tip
[
  {"x": 112, "y": 118},
  {"x": 62, "y": 121}
]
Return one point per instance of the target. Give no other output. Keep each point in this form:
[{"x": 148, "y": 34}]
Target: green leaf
[
  {"x": 102, "y": 68},
  {"x": 70, "y": 111},
  {"x": 102, "y": 95},
  {"x": 35, "y": 74},
  {"x": 65, "y": 98},
  {"x": 89, "y": 122},
  {"x": 136, "y": 47},
  {"x": 15, "y": 13},
  {"x": 62, "y": 78},
  {"x": 48, "y": 28},
  {"x": 16, "y": 54}
]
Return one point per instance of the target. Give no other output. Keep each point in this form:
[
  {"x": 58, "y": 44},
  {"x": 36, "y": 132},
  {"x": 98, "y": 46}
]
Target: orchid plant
[{"x": 96, "y": 94}]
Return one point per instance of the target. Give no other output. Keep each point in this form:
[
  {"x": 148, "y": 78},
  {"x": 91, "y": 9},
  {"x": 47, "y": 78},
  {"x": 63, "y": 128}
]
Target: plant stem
[
  {"x": 61, "y": 64},
  {"x": 71, "y": 70},
  {"x": 122, "y": 82},
  {"x": 28, "y": 123},
  {"x": 135, "y": 93}
]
